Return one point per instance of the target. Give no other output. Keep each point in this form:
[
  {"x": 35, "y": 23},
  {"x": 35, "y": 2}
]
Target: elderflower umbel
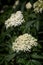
[
  {"x": 38, "y": 6},
  {"x": 24, "y": 43},
  {"x": 15, "y": 20},
  {"x": 28, "y": 5}
]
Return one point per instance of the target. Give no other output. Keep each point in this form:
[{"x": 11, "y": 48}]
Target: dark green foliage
[{"x": 33, "y": 25}]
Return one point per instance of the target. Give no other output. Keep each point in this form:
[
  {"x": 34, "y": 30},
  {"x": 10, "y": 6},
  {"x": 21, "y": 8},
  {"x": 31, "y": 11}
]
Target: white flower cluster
[
  {"x": 28, "y": 5},
  {"x": 15, "y": 20},
  {"x": 24, "y": 43},
  {"x": 38, "y": 6}
]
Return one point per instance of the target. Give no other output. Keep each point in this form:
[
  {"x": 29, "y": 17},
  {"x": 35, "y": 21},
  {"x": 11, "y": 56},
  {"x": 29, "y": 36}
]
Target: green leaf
[
  {"x": 36, "y": 62},
  {"x": 36, "y": 56},
  {"x": 9, "y": 57},
  {"x": 33, "y": 62},
  {"x": 21, "y": 61}
]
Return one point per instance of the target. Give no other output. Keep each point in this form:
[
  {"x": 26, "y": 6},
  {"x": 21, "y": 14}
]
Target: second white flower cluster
[{"x": 24, "y": 43}]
